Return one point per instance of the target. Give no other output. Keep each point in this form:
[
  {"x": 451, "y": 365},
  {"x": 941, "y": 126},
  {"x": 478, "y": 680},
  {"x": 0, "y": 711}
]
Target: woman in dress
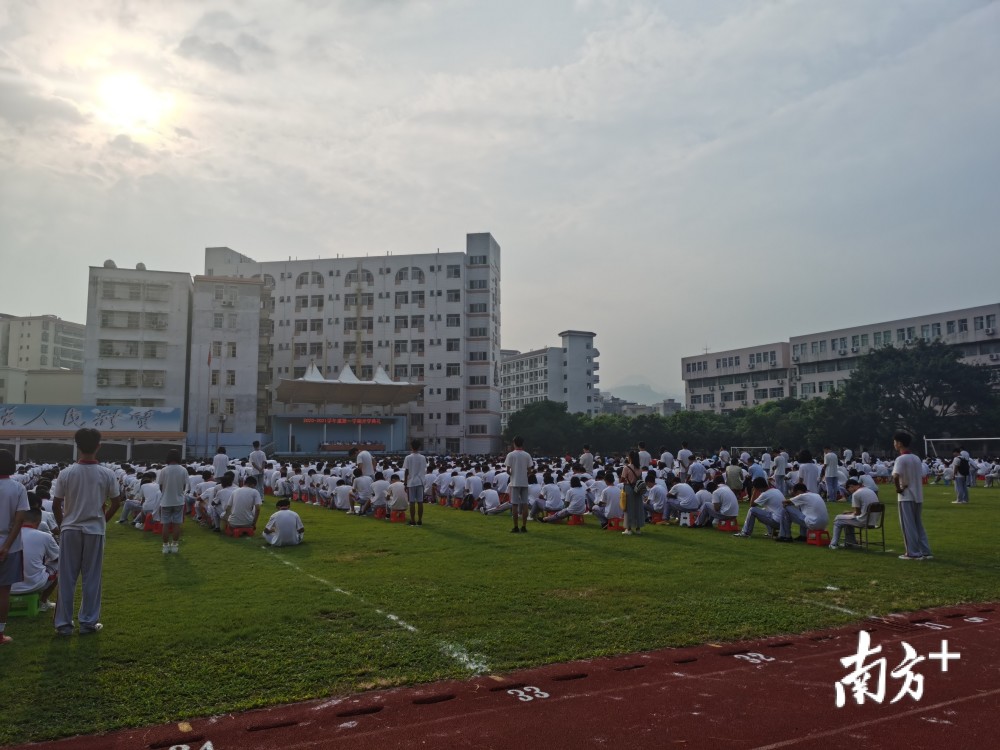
[{"x": 635, "y": 513}]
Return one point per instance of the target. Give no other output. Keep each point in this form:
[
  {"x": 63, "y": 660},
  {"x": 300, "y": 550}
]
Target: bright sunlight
[{"x": 128, "y": 103}]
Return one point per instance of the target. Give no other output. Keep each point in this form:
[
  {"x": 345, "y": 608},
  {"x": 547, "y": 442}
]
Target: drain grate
[
  {"x": 431, "y": 699},
  {"x": 900, "y": 626},
  {"x": 568, "y": 677},
  {"x": 363, "y": 711},
  {"x": 278, "y": 725}
]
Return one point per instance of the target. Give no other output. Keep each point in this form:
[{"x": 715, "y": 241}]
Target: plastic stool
[
  {"x": 550, "y": 514},
  {"x": 238, "y": 532},
  {"x": 456, "y": 502},
  {"x": 656, "y": 518},
  {"x": 688, "y": 518},
  {"x": 728, "y": 524},
  {"x": 818, "y": 537},
  {"x": 615, "y": 524},
  {"x": 575, "y": 520},
  {"x": 398, "y": 516},
  {"x": 380, "y": 512},
  {"x": 23, "y": 605}
]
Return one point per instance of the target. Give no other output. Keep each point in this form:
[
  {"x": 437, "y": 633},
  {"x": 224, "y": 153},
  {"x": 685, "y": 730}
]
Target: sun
[{"x": 129, "y": 104}]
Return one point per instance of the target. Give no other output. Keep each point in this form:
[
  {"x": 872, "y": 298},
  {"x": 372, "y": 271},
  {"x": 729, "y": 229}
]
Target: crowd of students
[{"x": 627, "y": 492}]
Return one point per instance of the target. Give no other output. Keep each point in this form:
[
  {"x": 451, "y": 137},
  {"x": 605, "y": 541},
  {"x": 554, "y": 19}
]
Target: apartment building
[
  {"x": 566, "y": 373},
  {"x": 41, "y": 342},
  {"x": 814, "y": 365},
  {"x": 431, "y": 318},
  {"x": 137, "y": 337}
]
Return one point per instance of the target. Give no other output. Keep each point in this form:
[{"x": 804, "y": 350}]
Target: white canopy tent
[{"x": 348, "y": 389}]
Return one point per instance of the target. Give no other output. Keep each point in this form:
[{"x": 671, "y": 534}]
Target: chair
[
  {"x": 876, "y": 520},
  {"x": 575, "y": 520}
]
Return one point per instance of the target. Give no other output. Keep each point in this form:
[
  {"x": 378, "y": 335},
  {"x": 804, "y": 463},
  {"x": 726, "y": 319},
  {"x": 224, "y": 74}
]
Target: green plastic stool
[{"x": 25, "y": 605}]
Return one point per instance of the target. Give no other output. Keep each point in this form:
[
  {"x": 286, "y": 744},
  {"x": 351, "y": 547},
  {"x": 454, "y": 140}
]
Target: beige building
[{"x": 41, "y": 342}]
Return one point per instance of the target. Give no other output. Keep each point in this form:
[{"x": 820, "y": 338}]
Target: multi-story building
[
  {"x": 41, "y": 342},
  {"x": 230, "y": 365},
  {"x": 816, "y": 364},
  {"x": 432, "y": 318},
  {"x": 138, "y": 326},
  {"x": 567, "y": 374}
]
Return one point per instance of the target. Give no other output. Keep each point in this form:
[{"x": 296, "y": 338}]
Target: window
[
  {"x": 216, "y": 348},
  {"x": 416, "y": 372},
  {"x": 814, "y": 347},
  {"x": 807, "y": 389},
  {"x": 949, "y": 326},
  {"x": 864, "y": 339},
  {"x": 477, "y": 260},
  {"x": 217, "y": 320},
  {"x": 978, "y": 323},
  {"x": 760, "y": 393},
  {"x": 452, "y": 394},
  {"x": 400, "y": 346},
  {"x": 825, "y": 386},
  {"x": 231, "y": 349},
  {"x": 477, "y": 307},
  {"x": 231, "y": 321},
  {"x": 991, "y": 321},
  {"x": 477, "y": 429},
  {"x": 477, "y": 380},
  {"x": 453, "y": 321},
  {"x": 417, "y": 321},
  {"x": 303, "y": 302},
  {"x": 453, "y": 272},
  {"x": 417, "y": 298},
  {"x": 355, "y": 277},
  {"x": 855, "y": 341},
  {"x": 230, "y": 406},
  {"x": 316, "y": 350},
  {"x": 478, "y": 356},
  {"x": 911, "y": 332},
  {"x": 900, "y": 335},
  {"x": 215, "y": 377},
  {"x": 402, "y": 298},
  {"x": 452, "y": 368},
  {"x": 399, "y": 372},
  {"x": 479, "y": 332},
  {"x": 365, "y": 372},
  {"x": 936, "y": 330},
  {"x": 230, "y": 377},
  {"x": 213, "y": 406},
  {"x": 477, "y": 404},
  {"x": 452, "y": 418},
  {"x": 417, "y": 347},
  {"x": 454, "y": 295},
  {"x": 963, "y": 325},
  {"x": 301, "y": 326},
  {"x": 478, "y": 284},
  {"x": 316, "y": 324},
  {"x": 925, "y": 331},
  {"x": 453, "y": 345},
  {"x": 776, "y": 393},
  {"x": 297, "y": 372},
  {"x": 401, "y": 322}
]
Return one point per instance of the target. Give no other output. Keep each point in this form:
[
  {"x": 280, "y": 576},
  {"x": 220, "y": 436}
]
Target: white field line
[
  {"x": 834, "y": 607},
  {"x": 470, "y": 662}
]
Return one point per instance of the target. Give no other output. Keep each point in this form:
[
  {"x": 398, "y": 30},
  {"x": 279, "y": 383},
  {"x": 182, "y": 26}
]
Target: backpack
[{"x": 963, "y": 466}]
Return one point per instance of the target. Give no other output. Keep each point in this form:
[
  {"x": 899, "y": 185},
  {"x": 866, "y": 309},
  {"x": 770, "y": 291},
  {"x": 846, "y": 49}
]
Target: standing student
[
  {"x": 587, "y": 460},
  {"x": 257, "y": 461},
  {"x": 87, "y": 498},
  {"x": 220, "y": 462},
  {"x": 960, "y": 473},
  {"x": 364, "y": 461},
  {"x": 635, "y": 512},
  {"x": 518, "y": 462},
  {"x": 831, "y": 464},
  {"x": 173, "y": 482},
  {"x": 13, "y": 507},
  {"x": 907, "y": 475},
  {"x": 415, "y": 474}
]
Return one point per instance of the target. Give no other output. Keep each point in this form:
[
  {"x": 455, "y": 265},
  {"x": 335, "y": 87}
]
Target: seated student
[
  {"x": 656, "y": 496},
  {"x": 149, "y": 491},
  {"x": 132, "y": 507},
  {"x": 459, "y": 486},
  {"x": 37, "y": 500},
  {"x": 397, "y": 498},
  {"x": 607, "y": 504},
  {"x": 576, "y": 499},
  {"x": 377, "y": 498},
  {"x": 281, "y": 485},
  {"x": 535, "y": 504},
  {"x": 342, "y": 496},
  {"x": 310, "y": 487},
  {"x": 243, "y": 506},
  {"x": 807, "y": 509},
  {"x": 444, "y": 486},
  {"x": 284, "y": 528},
  {"x": 40, "y": 560},
  {"x": 216, "y": 498},
  {"x": 489, "y": 501},
  {"x": 861, "y": 500},
  {"x": 681, "y": 496},
  {"x": 696, "y": 474},
  {"x": 549, "y": 496},
  {"x": 324, "y": 488},
  {"x": 361, "y": 490},
  {"x": 768, "y": 508},
  {"x": 725, "y": 505},
  {"x": 203, "y": 491},
  {"x": 474, "y": 485}
]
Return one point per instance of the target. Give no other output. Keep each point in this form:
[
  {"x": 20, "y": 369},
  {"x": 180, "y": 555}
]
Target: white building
[
  {"x": 816, "y": 364},
  {"x": 230, "y": 366},
  {"x": 567, "y": 374},
  {"x": 41, "y": 342},
  {"x": 136, "y": 349},
  {"x": 432, "y": 318}
]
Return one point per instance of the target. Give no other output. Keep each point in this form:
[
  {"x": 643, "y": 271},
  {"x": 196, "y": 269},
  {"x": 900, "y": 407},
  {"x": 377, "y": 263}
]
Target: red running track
[{"x": 766, "y": 694}]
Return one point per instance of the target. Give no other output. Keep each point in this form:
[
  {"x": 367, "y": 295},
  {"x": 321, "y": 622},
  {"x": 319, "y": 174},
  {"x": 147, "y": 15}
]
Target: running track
[{"x": 766, "y": 694}]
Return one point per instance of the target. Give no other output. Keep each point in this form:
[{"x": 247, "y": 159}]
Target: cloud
[
  {"x": 21, "y": 105},
  {"x": 216, "y": 54}
]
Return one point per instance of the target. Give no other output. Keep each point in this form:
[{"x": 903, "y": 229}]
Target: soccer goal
[
  {"x": 754, "y": 450},
  {"x": 976, "y": 446}
]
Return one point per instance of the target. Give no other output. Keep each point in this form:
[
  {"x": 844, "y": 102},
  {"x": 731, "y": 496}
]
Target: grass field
[{"x": 227, "y": 625}]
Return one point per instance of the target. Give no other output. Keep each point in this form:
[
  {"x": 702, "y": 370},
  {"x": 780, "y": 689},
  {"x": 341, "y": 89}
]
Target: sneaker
[
  {"x": 411, "y": 523},
  {"x": 174, "y": 549},
  {"x": 122, "y": 520},
  {"x": 90, "y": 631},
  {"x": 46, "y": 606},
  {"x": 910, "y": 557},
  {"x": 524, "y": 529},
  {"x": 627, "y": 532},
  {"x": 515, "y": 530},
  {"x": 928, "y": 557},
  {"x": 741, "y": 535},
  {"x": 833, "y": 546},
  {"x": 64, "y": 632},
  {"x": 4, "y": 639},
  {"x": 166, "y": 549}
]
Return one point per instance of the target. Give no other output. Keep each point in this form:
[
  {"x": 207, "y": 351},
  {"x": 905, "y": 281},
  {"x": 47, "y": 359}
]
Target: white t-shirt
[
  {"x": 40, "y": 555},
  {"x": 364, "y": 460},
  {"x": 813, "y": 509},
  {"x": 397, "y": 497},
  {"x": 490, "y": 499},
  {"x": 241, "y": 506},
  {"x": 830, "y": 464},
  {"x": 656, "y": 496},
  {"x": 173, "y": 482},
  {"x": 809, "y": 476},
  {"x": 362, "y": 488},
  {"x": 415, "y": 468},
  {"x": 151, "y": 497},
  {"x": 220, "y": 464},
  {"x": 551, "y": 497},
  {"x": 863, "y": 499},
  {"x": 84, "y": 488},
  {"x": 518, "y": 462},
  {"x": 773, "y": 502},
  {"x": 611, "y": 495},
  {"x": 587, "y": 461},
  {"x": 685, "y": 495},
  {"x": 13, "y": 498},
  {"x": 258, "y": 459},
  {"x": 286, "y": 526},
  {"x": 684, "y": 456},
  {"x": 667, "y": 459},
  {"x": 729, "y": 504},
  {"x": 911, "y": 478}
]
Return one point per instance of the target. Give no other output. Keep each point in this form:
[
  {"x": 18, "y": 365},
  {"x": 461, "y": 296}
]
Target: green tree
[{"x": 547, "y": 429}]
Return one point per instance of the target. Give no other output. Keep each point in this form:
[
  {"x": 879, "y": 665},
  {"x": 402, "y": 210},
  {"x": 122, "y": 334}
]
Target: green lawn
[{"x": 227, "y": 625}]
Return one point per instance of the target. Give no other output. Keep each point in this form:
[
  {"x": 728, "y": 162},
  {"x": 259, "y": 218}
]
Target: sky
[{"x": 673, "y": 175}]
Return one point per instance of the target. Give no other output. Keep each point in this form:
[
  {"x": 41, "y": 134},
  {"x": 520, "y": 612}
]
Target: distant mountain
[{"x": 640, "y": 393}]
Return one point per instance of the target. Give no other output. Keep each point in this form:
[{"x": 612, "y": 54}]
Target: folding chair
[{"x": 876, "y": 518}]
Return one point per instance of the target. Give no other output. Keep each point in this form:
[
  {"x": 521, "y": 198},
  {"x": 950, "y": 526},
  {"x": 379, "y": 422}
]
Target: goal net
[{"x": 977, "y": 447}]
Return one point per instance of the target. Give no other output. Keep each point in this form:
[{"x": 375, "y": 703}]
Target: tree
[
  {"x": 547, "y": 428},
  {"x": 925, "y": 389}
]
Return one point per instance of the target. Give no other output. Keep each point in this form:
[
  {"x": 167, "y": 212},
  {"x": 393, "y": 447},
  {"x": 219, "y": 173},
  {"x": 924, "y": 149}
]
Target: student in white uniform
[
  {"x": 768, "y": 508},
  {"x": 220, "y": 462},
  {"x": 415, "y": 481},
  {"x": 243, "y": 507},
  {"x": 41, "y": 561},
  {"x": 862, "y": 498},
  {"x": 725, "y": 505},
  {"x": 809, "y": 472},
  {"x": 489, "y": 501},
  {"x": 14, "y": 508},
  {"x": 284, "y": 528},
  {"x": 908, "y": 478},
  {"x": 576, "y": 498},
  {"x": 807, "y": 509}
]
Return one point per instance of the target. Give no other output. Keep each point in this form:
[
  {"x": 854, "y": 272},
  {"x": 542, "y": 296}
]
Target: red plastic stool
[
  {"x": 575, "y": 520},
  {"x": 688, "y": 518},
  {"x": 818, "y": 537},
  {"x": 728, "y": 524},
  {"x": 550, "y": 514},
  {"x": 456, "y": 502},
  {"x": 442, "y": 501},
  {"x": 380, "y": 512},
  {"x": 656, "y": 518},
  {"x": 615, "y": 524},
  {"x": 398, "y": 516},
  {"x": 150, "y": 525},
  {"x": 240, "y": 531}
]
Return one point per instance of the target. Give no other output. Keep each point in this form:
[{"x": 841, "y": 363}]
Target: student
[
  {"x": 681, "y": 496},
  {"x": 861, "y": 500},
  {"x": 807, "y": 509},
  {"x": 961, "y": 471},
  {"x": 808, "y": 472},
  {"x": 173, "y": 481},
  {"x": 13, "y": 509},
  {"x": 908, "y": 479},
  {"x": 361, "y": 489},
  {"x": 150, "y": 494},
  {"x": 342, "y": 497},
  {"x": 243, "y": 507},
  {"x": 87, "y": 498},
  {"x": 396, "y": 495},
  {"x": 284, "y": 528},
  {"x": 519, "y": 463},
  {"x": 768, "y": 508},
  {"x": 258, "y": 459},
  {"x": 489, "y": 501},
  {"x": 830, "y": 466},
  {"x": 724, "y": 506},
  {"x": 576, "y": 498},
  {"x": 41, "y": 560},
  {"x": 587, "y": 459},
  {"x": 364, "y": 461},
  {"x": 684, "y": 460},
  {"x": 415, "y": 478},
  {"x": 220, "y": 462},
  {"x": 656, "y": 496}
]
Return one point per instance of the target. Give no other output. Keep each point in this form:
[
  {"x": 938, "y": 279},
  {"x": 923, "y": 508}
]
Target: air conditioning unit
[
  {"x": 994, "y": 357},
  {"x": 157, "y": 383},
  {"x": 989, "y": 331},
  {"x": 227, "y": 303},
  {"x": 795, "y": 358},
  {"x": 743, "y": 385},
  {"x": 744, "y": 403},
  {"x": 774, "y": 363},
  {"x": 755, "y": 401},
  {"x": 854, "y": 350},
  {"x": 102, "y": 382},
  {"x": 781, "y": 382},
  {"x": 753, "y": 385},
  {"x": 751, "y": 366}
]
